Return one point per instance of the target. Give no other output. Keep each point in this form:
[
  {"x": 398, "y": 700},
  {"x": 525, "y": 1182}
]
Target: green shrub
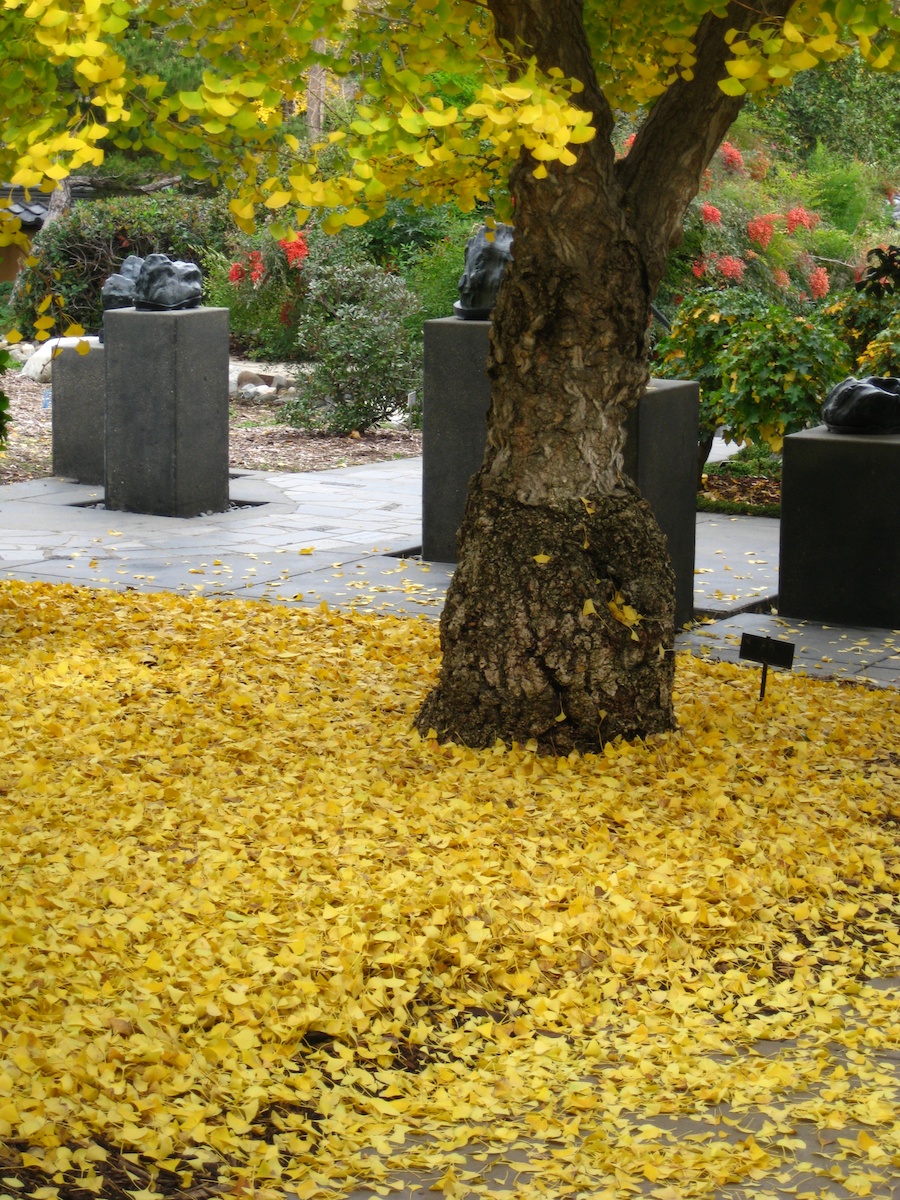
[
  {"x": 78, "y": 252},
  {"x": 408, "y": 228},
  {"x": 845, "y": 192},
  {"x": 433, "y": 273},
  {"x": 777, "y": 369},
  {"x": 763, "y": 369},
  {"x": 845, "y": 106},
  {"x": 750, "y": 462},
  {"x": 366, "y": 360},
  {"x": 6, "y": 361},
  {"x": 702, "y": 328},
  {"x": 6, "y": 314}
]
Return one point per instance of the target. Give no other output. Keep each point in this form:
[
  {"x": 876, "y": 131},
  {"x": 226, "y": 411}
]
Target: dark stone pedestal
[
  {"x": 457, "y": 395},
  {"x": 167, "y": 411},
  {"x": 78, "y": 413},
  {"x": 660, "y": 451},
  {"x": 840, "y": 530},
  {"x": 661, "y": 457}
]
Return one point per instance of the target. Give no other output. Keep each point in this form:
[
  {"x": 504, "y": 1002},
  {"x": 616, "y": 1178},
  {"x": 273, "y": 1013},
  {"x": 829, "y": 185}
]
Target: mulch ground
[{"x": 742, "y": 489}]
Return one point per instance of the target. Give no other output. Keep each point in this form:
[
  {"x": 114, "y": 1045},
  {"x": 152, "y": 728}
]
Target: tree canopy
[{"x": 68, "y": 94}]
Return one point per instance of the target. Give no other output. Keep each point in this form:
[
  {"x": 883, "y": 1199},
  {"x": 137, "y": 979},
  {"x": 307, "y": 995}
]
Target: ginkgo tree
[{"x": 558, "y": 625}]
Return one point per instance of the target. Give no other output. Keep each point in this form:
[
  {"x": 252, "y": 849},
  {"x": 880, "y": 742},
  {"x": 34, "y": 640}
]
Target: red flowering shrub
[
  {"x": 781, "y": 277},
  {"x": 761, "y": 230},
  {"x": 798, "y": 216},
  {"x": 263, "y": 286},
  {"x": 710, "y": 214},
  {"x": 252, "y": 265},
  {"x": 730, "y": 267},
  {"x": 699, "y": 268},
  {"x": 732, "y": 158},
  {"x": 257, "y": 269},
  {"x": 295, "y": 251},
  {"x": 819, "y": 283}
]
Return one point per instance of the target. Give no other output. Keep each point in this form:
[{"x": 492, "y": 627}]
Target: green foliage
[
  {"x": 366, "y": 360},
  {"x": 434, "y": 271},
  {"x": 737, "y": 507},
  {"x": 852, "y": 111},
  {"x": 750, "y": 462},
  {"x": 844, "y": 191},
  {"x": 776, "y": 371},
  {"x": 882, "y": 355},
  {"x": 408, "y": 229},
  {"x": 763, "y": 369},
  {"x": 6, "y": 313},
  {"x": 6, "y": 361},
  {"x": 703, "y": 326},
  {"x": 80, "y": 250}
]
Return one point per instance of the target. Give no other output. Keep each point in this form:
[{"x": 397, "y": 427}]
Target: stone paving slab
[
  {"x": 735, "y": 563},
  {"x": 822, "y": 651}
]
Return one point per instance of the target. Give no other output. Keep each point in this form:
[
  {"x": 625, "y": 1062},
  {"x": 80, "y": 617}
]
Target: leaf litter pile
[{"x": 257, "y": 937}]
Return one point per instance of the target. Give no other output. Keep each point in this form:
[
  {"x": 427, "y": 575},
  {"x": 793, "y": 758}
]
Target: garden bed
[{"x": 256, "y": 441}]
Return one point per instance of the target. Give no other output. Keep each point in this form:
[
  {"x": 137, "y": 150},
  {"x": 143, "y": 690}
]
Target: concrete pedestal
[
  {"x": 167, "y": 411},
  {"x": 660, "y": 451},
  {"x": 840, "y": 532},
  {"x": 78, "y": 414}
]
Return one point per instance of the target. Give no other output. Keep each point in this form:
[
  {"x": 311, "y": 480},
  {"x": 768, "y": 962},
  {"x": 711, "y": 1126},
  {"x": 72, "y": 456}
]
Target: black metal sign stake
[{"x": 768, "y": 651}]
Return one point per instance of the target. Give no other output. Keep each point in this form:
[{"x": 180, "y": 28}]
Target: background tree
[{"x": 559, "y": 622}]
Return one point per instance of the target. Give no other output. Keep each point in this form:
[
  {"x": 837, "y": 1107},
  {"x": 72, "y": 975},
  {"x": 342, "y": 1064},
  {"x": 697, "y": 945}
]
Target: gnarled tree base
[{"x": 558, "y": 626}]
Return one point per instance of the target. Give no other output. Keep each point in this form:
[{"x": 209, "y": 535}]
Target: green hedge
[{"x": 77, "y": 253}]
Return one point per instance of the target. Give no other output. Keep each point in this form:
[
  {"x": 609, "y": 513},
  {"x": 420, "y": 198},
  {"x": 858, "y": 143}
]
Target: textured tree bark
[{"x": 559, "y": 622}]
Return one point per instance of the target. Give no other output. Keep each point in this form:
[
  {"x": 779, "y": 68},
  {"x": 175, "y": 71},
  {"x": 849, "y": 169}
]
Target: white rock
[
  {"x": 20, "y": 352},
  {"x": 39, "y": 365}
]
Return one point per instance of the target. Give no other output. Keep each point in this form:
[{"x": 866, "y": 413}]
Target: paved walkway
[{"x": 350, "y": 536}]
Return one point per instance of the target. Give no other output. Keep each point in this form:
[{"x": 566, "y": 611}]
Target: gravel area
[{"x": 256, "y": 441}]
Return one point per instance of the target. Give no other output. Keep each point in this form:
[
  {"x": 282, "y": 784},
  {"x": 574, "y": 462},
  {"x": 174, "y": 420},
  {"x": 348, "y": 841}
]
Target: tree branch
[{"x": 663, "y": 170}]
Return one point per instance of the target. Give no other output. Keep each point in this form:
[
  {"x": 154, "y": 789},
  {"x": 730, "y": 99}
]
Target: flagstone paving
[{"x": 350, "y": 537}]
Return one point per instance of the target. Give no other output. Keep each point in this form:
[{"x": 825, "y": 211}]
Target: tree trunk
[
  {"x": 559, "y": 623},
  {"x": 315, "y": 95}
]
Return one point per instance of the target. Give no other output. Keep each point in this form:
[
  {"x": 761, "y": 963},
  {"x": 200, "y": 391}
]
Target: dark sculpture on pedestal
[
  {"x": 486, "y": 261},
  {"x": 118, "y": 291},
  {"x": 164, "y": 285},
  {"x": 869, "y": 405},
  {"x": 153, "y": 284}
]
